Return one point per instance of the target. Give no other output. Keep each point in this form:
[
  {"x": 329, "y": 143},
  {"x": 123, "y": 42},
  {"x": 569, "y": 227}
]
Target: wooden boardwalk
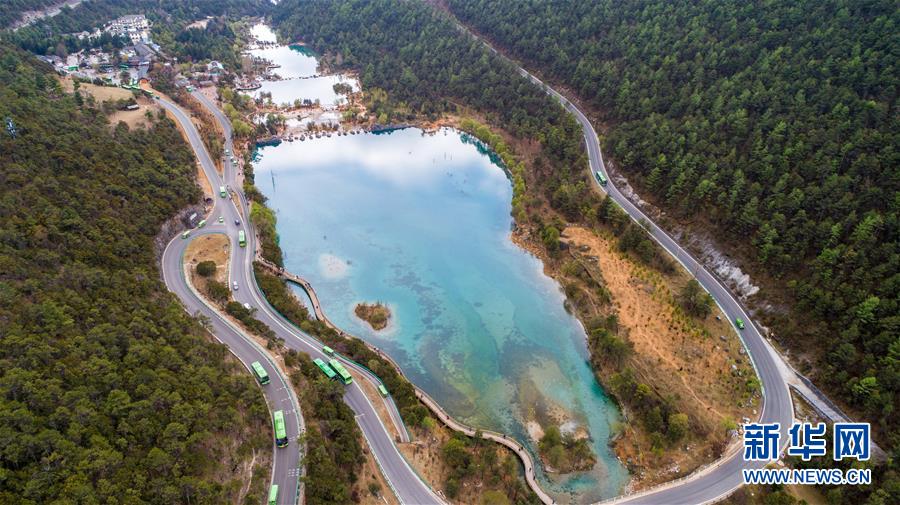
[{"x": 429, "y": 402}]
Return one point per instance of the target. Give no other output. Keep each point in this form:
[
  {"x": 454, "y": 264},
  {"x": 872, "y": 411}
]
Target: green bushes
[
  {"x": 566, "y": 453},
  {"x": 263, "y": 219},
  {"x": 658, "y": 414},
  {"x": 472, "y": 459},
  {"x": 245, "y": 316},
  {"x": 108, "y": 390},
  {"x": 334, "y": 447},
  {"x": 695, "y": 300},
  {"x": 206, "y": 268},
  {"x": 217, "y": 291}
]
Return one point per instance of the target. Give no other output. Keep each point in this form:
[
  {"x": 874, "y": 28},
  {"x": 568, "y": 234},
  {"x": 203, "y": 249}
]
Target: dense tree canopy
[
  {"x": 423, "y": 61},
  {"x": 109, "y": 392},
  {"x": 168, "y": 18},
  {"x": 11, "y": 10},
  {"x": 776, "y": 121}
]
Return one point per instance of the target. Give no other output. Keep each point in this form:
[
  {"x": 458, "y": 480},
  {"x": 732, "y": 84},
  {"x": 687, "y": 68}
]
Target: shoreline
[{"x": 458, "y": 122}]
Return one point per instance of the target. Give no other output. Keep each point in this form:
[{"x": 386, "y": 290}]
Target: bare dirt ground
[
  {"x": 251, "y": 472},
  {"x": 203, "y": 181},
  {"x": 208, "y": 248},
  {"x": 370, "y": 473},
  {"x": 700, "y": 364},
  {"x": 377, "y": 401},
  {"x": 133, "y": 118},
  {"x": 424, "y": 454},
  {"x": 201, "y": 24}
]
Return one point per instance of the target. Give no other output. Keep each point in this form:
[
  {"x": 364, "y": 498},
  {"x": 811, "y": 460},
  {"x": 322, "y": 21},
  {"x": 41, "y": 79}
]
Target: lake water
[
  {"x": 298, "y": 72},
  {"x": 422, "y": 223}
]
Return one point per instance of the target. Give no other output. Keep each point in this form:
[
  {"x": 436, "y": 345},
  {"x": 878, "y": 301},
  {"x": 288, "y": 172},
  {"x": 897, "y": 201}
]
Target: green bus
[
  {"x": 242, "y": 239},
  {"x": 382, "y": 390},
  {"x": 341, "y": 371},
  {"x": 273, "y": 495},
  {"x": 281, "y": 439},
  {"x": 202, "y": 223},
  {"x": 328, "y": 350},
  {"x": 324, "y": 368},
  {"x": 600, "y": 178},
  {"x": 222, "y": 192},
  {"x": 260, "y": 372}
]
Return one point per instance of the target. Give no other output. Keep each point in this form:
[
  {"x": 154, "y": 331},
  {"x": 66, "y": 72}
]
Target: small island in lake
[
  {"x": 565, "y": 453},
  {"x": 376, "y": 314}
]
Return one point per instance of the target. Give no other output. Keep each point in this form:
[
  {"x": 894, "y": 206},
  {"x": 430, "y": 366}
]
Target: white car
[
  {"x": 234, "y": 286},
  {"x": 247, "y": 306}
]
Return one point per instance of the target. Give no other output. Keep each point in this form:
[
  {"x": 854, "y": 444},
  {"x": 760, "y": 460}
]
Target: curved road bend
[
  {"x": 404, "y": 481},
  {"x": 231, "y": 177},
  {"x": 720, "y": 479},
  {"x": 286, "y": 467},
  {"x": 278, "y": 393}
]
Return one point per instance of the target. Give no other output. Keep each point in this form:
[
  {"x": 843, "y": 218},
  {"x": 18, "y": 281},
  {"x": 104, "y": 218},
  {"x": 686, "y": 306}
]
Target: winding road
[
  {"x": 279, "y": 394},
  {"x": 408, "y": 487},
  {"x": 720, "y": 479},
  {"x": 707, "y": 485}
]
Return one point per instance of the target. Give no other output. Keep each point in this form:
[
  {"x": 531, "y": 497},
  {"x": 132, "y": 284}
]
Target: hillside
[
  {"x": 774, "y": 123},
  {"x": 107, "y": 388},
  {"x": 169, "y": 20}
]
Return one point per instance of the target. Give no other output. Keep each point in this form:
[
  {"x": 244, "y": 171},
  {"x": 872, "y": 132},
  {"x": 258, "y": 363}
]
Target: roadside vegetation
[
  {"x": 774, "y": 125},
  {"x": 334, "y": 442},
  {"x": 475, "y": 462},
  {"x": 264, "y": 220},
  {"x": 437, "y": 69},
  {"x": 107, "y": 388},
  {"x": 467, "y": 469}
]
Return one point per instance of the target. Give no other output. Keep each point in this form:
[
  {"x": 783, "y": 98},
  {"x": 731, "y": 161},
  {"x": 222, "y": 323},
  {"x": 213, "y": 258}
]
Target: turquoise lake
[
  {"x": 422, "y": 223},
  {"x": 297, "y": 71}
]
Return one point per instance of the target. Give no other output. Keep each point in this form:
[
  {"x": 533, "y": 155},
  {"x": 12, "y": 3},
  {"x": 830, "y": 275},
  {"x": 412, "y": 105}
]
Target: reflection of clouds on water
[
  {"x": 400, "y": 164},
  {"x": 263, "y": 32},
  {"x": 332, "y": 267},
  {"x": 483, "y": 330},
  {"x": 321, "y": 88},
  {"x": 292, "y": 62}
]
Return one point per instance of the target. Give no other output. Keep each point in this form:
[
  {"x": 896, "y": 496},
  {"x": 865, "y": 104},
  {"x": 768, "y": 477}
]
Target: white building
[{"x": 134, "y": 26}]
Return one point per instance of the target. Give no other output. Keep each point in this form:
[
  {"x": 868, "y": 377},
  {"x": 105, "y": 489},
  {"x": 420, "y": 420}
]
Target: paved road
[
  {"x": 404, "y": 481},
  {"x": 286, "y": 465},
  {"x": 724, "y": 477}
]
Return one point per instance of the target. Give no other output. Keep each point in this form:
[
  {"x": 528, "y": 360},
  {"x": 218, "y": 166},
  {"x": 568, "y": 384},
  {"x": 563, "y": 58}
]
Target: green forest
[
  {"x": 773, "y": 123},
  {"x": 11, "y": 10},
  {"x": 168, "y": 20},
  {"x": 776, "y": 124},
  {"x": 109, "y": 391}
]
